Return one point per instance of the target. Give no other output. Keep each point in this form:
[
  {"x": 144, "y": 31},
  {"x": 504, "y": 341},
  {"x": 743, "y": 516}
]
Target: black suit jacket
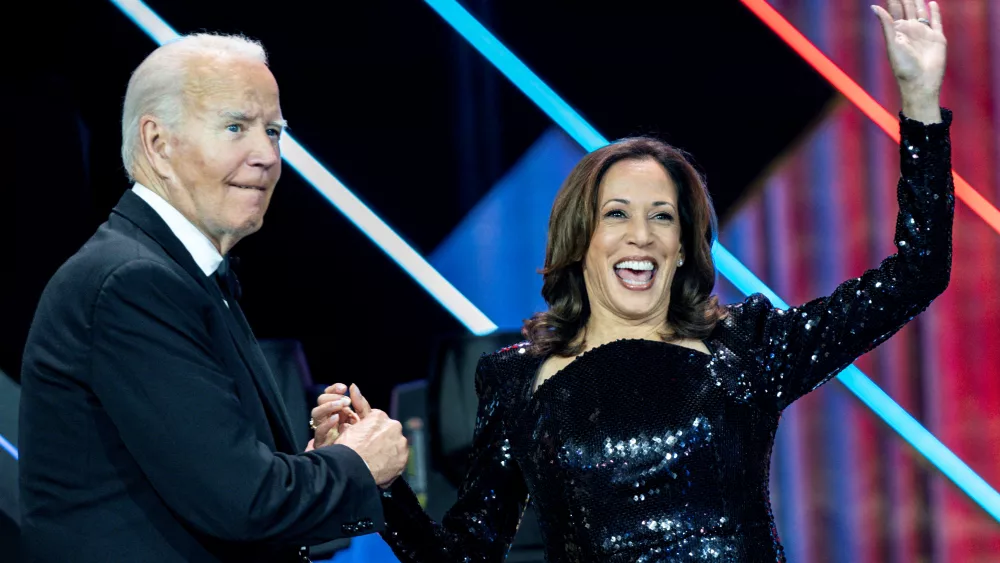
[{"x": 151, "y": 427}]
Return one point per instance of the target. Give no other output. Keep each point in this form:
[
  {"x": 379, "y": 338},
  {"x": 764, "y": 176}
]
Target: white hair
[{"x": 157, "y": 85}]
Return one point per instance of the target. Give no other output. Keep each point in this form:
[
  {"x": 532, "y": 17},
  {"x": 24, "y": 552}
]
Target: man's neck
[
  {"x": 202, "y": 249},
  {"x": 160, "y": 188}
]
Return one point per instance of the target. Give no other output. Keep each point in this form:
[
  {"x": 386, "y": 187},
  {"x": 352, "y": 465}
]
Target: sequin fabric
[{"x": 642, "y": 451}]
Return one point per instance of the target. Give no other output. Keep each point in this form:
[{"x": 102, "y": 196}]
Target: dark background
[{"x": 409, "y": 117}]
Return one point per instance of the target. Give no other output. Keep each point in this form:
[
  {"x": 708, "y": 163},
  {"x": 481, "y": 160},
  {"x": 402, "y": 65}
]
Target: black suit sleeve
[{"x": 158, "y": 376}]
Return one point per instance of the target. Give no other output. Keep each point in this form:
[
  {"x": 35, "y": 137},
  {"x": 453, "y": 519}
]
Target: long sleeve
[
  {"x": 482, "y": 523},
  {"x": 801, "y": 348},
  {"x": 159, "y": 378}
]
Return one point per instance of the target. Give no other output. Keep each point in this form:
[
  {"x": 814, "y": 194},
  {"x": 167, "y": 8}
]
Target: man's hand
[{"x": 370, "y": 432}]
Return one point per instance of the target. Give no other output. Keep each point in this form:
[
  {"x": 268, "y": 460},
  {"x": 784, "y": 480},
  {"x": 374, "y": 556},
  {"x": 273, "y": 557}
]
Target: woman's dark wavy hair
[{"x": 693, "y": 310}]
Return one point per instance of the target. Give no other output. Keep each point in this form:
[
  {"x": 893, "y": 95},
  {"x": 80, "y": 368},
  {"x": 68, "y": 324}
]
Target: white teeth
[
  {"x": 635, "y": 265},
  {"x": 634, "y": 283}
]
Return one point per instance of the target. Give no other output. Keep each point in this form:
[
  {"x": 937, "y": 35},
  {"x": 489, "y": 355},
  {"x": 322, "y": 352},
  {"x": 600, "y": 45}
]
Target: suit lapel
[
  {"x": 132, "y": 208},
  {"x": 254, "y": 358}
]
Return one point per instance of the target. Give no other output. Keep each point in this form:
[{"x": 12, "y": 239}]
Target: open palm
[{"x": 916, "y": 49}]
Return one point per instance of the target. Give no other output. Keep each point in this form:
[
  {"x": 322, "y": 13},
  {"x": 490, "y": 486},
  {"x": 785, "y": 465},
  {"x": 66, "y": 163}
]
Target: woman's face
[{"x": 636, "y": 246}]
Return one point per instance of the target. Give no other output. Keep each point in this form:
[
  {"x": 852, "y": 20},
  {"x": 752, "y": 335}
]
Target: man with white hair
[{"x": 151, "y": 426}]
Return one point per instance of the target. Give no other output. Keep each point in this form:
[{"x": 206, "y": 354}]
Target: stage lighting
[{"x": 741, "y": 277}]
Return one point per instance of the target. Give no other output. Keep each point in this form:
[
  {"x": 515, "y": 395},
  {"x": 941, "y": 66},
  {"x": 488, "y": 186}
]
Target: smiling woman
[
  {"x": 630, "y": 244},
  {"x": 640, "y": 416}
]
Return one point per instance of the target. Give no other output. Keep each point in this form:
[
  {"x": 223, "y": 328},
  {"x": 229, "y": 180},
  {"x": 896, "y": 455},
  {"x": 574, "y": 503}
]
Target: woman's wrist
[{"x": 922, "y": 106}]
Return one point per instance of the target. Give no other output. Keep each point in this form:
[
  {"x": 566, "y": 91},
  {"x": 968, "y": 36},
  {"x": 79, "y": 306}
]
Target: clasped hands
[{"x": 348, "y": 420}]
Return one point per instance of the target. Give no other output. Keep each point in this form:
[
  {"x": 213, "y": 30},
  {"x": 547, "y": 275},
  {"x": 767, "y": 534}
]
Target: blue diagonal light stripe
[
  {"x": 11, "y": 448},
  {"x": 343, "y": 199},
  {"x": 741, "y": 277}
]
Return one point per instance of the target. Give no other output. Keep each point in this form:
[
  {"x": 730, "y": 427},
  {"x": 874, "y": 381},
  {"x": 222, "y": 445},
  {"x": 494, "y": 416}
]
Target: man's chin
[
  {"x": 250, "y": 227},
  {"x": 233, "y": 235}
]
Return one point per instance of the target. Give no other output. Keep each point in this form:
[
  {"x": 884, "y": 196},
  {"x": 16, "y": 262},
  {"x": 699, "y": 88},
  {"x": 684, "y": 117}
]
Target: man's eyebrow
[{"x": 242, "y": 116}]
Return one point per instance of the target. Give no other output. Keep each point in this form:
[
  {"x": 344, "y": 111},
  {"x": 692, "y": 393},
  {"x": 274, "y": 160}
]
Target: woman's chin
[{"x": 636, "y": 309}]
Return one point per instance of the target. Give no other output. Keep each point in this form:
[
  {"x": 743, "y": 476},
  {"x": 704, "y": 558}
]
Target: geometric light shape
[
  {"x": 343, "y": 199},
  {"x": 727, "y": 264},
  {"x": 11, "y": 448},
  {"x": 147, "y": 20},
  {"x": 860, "y": 98},
  {"x": 493, "y": 255},
  {"x": 382, "y": 235}
]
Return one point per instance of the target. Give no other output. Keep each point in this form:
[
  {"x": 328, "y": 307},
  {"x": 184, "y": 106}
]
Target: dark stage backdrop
[{"x": 408, "y": 116}]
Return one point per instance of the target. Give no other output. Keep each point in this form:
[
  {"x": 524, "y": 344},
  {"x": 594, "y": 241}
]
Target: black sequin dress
[{"x": 643, "y": 451}]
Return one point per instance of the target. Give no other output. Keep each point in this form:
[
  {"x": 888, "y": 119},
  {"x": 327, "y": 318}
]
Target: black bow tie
[{"x": 226, "y": 278}]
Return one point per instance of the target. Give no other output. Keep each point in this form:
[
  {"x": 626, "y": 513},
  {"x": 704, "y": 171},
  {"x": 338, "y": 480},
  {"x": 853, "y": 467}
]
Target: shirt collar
[{"x": 201, "y": 248}]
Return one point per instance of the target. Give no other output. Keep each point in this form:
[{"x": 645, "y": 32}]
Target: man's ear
[{"x": 154, "y": 136}]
